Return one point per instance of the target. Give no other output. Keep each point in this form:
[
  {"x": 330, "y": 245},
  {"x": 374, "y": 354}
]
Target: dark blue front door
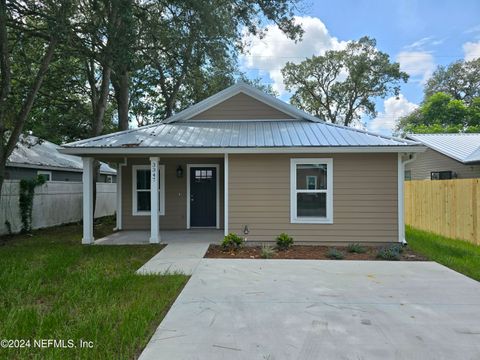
[{"x": 203, "y": 196}]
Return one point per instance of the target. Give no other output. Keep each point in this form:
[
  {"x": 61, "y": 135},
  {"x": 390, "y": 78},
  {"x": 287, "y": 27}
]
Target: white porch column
[
  {"x": 87, "y": 179},
  {"x": 401, "y": 199},
  {"x": 154, "y": 205},
  {"x": 119, "y": 196},
  {"x": 225, "y": 196}
]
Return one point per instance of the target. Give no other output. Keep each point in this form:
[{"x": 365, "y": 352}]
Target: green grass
[
  {"x": 52, "y": 287},
  {"x": 458, "y": 255}
]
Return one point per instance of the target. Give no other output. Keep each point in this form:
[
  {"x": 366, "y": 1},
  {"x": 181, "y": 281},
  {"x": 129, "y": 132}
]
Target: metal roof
[
  {"x": 462, "y": 147},
  {"x": 33, "y": 152},
  {"x": 241, "y": 134}
]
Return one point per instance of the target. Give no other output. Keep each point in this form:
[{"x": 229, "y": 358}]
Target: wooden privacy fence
[{"x": 446, "y": 207}]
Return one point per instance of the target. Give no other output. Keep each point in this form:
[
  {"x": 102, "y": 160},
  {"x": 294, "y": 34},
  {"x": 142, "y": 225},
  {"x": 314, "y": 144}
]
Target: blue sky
[{"x": 418, "y": 34}]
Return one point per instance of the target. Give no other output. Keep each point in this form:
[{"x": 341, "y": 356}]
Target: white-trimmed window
[
  {"x": 141, "y": 178},
  {"x": 47, "y": 175},
  {"x": 311, "y": 191}
]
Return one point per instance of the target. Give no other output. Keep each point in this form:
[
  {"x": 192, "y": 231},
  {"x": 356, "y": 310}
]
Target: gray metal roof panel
[
  {"x": 244, "y": 134},
  {"x": 34, "y": 152},
  {"x": 462, "y": 147}
]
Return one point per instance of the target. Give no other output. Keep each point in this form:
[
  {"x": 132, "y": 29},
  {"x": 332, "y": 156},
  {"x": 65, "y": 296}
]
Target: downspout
[{"x": 401, "y": 195}]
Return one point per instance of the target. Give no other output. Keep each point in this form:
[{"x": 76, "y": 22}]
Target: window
[
  {"x": 141, "y": 189},
  {"x": 47, "y": 175},
  {"x": 441, "y": 175},
  {"x": 311, "y": 193},
  {"x": 109, "y": 179}
]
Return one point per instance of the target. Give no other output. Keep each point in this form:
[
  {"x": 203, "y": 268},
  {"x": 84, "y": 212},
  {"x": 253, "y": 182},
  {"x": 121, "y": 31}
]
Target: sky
[{"x": 420, "y": 35}]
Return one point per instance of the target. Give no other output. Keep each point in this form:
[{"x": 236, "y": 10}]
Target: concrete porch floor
[{"x": 139, "y": 237}]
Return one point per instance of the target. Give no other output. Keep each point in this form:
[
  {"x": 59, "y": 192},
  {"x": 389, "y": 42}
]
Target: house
[
  {"x": 448, "y": 156},
  {"x": 33, "y": 156},
  {"x": 246, "y": 162}
]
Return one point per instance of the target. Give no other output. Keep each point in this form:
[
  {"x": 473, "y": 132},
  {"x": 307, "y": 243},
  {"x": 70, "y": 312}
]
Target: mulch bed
[{"x": 308, "y": 252}]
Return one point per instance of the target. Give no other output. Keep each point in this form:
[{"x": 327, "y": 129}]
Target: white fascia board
[{"x": 259, "y": 150}]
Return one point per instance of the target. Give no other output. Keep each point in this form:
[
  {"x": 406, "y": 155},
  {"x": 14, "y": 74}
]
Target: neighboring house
[
  {"x": 249, "y": 163},
  {"x": 33, "y": 156},
  {"x": 448, "y": 156}
]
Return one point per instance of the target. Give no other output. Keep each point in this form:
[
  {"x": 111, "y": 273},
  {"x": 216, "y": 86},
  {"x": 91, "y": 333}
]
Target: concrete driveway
[{"x": 304, "y": 309}]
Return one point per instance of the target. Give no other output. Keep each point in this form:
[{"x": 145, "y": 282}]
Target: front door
[{"x": 203, "y": 196}]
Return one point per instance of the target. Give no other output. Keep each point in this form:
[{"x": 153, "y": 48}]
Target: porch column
[
  {"x": 119, "y": 196},
  {"x": 225, "y": 196},
  {"x": 87, "y": 181},
  {"x": 154, "y": 206}
]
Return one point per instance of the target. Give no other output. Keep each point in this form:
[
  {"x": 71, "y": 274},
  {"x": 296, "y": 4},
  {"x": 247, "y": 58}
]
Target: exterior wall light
[{"x": 179, "y": 171}]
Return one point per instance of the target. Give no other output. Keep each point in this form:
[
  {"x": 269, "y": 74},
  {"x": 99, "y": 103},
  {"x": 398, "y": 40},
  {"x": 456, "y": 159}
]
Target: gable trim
[{"x": 233, "y": 90}]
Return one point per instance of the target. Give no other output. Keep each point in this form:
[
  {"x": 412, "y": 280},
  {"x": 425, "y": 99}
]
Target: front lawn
[
  {"x": 52, "y": 287},
  {"x": 458, "y": 255}
]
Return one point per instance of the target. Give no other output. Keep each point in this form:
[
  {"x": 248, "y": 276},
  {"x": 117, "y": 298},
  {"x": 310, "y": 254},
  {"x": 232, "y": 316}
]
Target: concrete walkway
[
  {"x": 183, "y": 252},
  {"x": 307, "y": 309}
]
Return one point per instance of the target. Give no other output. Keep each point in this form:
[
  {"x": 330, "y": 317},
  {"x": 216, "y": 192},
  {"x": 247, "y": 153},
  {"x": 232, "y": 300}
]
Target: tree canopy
[
  {"x": 341, "y": 85},
  {"x": 460, "y": 79},
  {"x": 451, "y": 102},
  {"x": 73, "y": 69},
  {"x": 442, "y": 113}
]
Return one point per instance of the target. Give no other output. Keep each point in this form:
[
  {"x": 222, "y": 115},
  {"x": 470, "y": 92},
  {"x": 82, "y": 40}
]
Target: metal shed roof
[
  {"x": 35, "y": 153},
  {"x": 462, "y": 147},
  {"x": 241, "y": 134}
]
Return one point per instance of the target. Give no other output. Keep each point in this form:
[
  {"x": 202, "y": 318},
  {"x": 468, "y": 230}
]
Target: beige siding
[
  {"x": 432, "y": 160},
  {"x": 175, "y": 193},
  {"x": 365, "y": 198},
  {"x": 241, "y": 107}
]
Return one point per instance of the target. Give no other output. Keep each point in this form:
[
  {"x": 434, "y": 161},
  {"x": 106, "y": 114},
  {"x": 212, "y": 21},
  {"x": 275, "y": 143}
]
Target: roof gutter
[{"x": 121, "y": 151}]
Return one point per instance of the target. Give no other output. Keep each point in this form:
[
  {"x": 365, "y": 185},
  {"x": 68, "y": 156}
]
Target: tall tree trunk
[
  {"x": 21, "y": 118},
  {"x": 98, "y": 117},
  {"x": 120, "y": 84}
]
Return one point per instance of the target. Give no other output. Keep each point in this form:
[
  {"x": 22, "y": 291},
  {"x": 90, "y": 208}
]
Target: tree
[
  {"x": 442, "y": 113},
  {"x": 187, "y": 49},
  {"x": 20, "y": 23},
  {"x": 340, "y": 86},
  {"x": 460, "y": 79}
]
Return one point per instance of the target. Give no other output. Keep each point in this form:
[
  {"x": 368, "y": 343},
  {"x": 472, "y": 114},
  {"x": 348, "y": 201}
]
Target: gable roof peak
[{"x": 247, "y": 89}]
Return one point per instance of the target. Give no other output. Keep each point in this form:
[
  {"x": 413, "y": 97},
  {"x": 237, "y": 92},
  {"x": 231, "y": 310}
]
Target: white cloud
[
  {"x": 418, "y": 64},
  {"x": 471, "y": 50},
  {"x": 419, "y": 44},
  {"x": 271, "y": 53},
  {"x": 394, "y": 108},
  {"x": 424, "y": 42},
  {"x": 473, "y": 30}
]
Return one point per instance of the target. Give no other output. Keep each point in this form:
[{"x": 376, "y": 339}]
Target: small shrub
[
  {"x": 356, "y": 248},
  {"x": 267, "y": 252},
  {"x": 390, "y": 253},
  {"x": 284, "y": 241},
  {"x": 335, "y": 254},
  {"x": 232, "y": 242}
]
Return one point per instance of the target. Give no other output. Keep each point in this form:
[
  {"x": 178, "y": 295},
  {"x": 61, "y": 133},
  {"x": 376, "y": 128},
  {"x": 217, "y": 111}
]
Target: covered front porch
[
  {"x": 142, "y": 237},
  {"x": 167, "y": 198}
]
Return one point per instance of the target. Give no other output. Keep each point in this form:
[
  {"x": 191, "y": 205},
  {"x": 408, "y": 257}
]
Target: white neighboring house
[
  {"x": 59, "y": 200},
  {"x": 34, "y": 156}
]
